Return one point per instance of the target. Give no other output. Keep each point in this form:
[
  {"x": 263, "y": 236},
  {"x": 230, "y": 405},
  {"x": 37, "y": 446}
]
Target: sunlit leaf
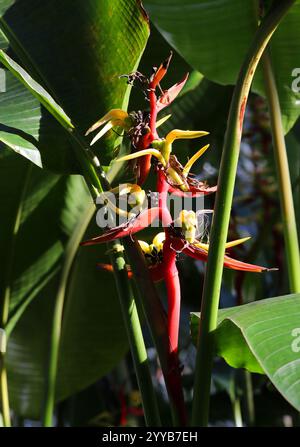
[{"x": 264, "y": 337}]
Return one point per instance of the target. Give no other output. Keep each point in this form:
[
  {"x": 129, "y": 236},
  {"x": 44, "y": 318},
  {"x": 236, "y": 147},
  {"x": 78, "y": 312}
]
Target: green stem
[
  {"x": 69, "y": 257},
  {"x": 249, "y": 399},
  {"x": 4, "y": 392},
  {"x": 283, "y": 177},
  {"x": 136, "y": 340},
  {"x": 223, "y": 204},
  {"x": 237, "y": 413}
]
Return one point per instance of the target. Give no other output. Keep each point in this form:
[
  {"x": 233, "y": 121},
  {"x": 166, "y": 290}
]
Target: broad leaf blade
[
  {"x": 36, "y": 90},
  {"x": 21, "y": 146},
  {"x": 262, "y": 337}
]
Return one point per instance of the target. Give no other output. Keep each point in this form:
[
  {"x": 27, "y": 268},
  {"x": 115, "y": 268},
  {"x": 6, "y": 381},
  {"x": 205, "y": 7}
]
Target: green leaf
[
  {"x": 263, "y": 336},
  {"x": 36, "y": 90},
  {"x": 22, "y": 147},
  {"x": 21, "y": 114},
  {"x": 78, "y": 61},
  {"x": 213, "y": 38},
  {"x": 48, "y": 208}
]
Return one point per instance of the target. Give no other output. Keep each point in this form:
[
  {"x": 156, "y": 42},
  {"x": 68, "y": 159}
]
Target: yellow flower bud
[
  {"x": 145, "y": 247},
  {"x": 188, "y": 222},
  {"x": 158, "y": 241}
]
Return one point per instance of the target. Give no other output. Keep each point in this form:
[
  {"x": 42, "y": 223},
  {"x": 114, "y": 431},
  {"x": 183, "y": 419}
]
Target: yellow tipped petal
[
  {"x": 193, "y": 159},
  {"x": 237, "y": 242},
  {"x": 121, "y": 189},
  {"x": 201, "y": 245},
  {"x": 112, "y": 115},
  {"x": 102, "y": 132},
  {"x": 142, "y": 153},
  {"x": 162, "y": 120},
  {"x": 176, "y": 134},
  {"x": 228, "y": 244},
  {"x": 114, "y": 208}
]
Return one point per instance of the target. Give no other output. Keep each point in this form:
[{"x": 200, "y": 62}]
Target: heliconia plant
[{"x": 129, "y": 208}]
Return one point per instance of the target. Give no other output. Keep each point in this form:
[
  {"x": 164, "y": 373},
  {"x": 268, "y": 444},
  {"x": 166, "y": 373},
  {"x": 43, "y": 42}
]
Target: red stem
[
  {"x": 174, "y": 298},
  {"x": 145, "y": 162},
  {"x": 173, "y": 290},
  {"x": 162, "y": 187},
  {"x": 144, "y": 168},
  {"x": 173, "y": 377},
  {"x": 169, "y": 265}
]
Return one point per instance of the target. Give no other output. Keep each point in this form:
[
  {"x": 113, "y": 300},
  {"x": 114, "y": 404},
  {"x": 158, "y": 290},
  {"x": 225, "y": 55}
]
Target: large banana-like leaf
[
  {"x": 214, "y": 36},
  {"x": 49, "y": 208},
  {"x": 263, "y": 337},
  {"x": 76, "y": 50}
]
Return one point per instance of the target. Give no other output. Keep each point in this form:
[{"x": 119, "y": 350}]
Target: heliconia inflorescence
[{"x": 180, "y": 233}]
